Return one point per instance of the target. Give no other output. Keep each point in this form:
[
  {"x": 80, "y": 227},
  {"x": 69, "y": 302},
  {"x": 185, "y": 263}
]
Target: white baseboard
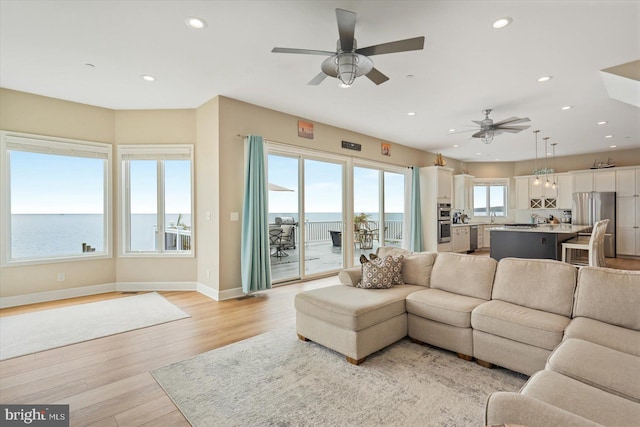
[
  {"x": 82, "y": 291},
  {"x": 219, "y": 295}
]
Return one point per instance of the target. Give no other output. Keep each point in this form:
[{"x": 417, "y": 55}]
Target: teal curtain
[
  {"x": 415, "y": 234},
  {"x": 255, "y": 257}
]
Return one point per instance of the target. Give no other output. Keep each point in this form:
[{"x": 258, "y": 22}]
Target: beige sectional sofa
[{"x": 576, "y": 333}]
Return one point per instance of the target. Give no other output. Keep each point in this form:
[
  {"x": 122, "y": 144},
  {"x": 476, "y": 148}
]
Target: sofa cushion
[
  {"x": 464, "y": 274},
  {"x": 443, "y": 306},
  {"x": 352, "y": 308},
  {"x": 612, "y": 296},
  {"x": 384, "y": 251},
  {"x": 513, "y": 409},
  {"x": 615, "y": 337},
  {"x": 350, "y": 276},
  {"x": 417, "y": 267},
  {"x": 381, "y": 273},
  {"x": 542, "y": 284},
  {"x": 518, "y": 323},
  {"x": 597, "y": 366},
  {"x": 582, "y": 399}
]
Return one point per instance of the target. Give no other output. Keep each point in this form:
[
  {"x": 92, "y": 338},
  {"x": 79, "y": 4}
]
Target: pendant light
[
  {"x": 546, "y": 170},
  {"x": 537, "y": 180},
  {"x": 554, "y": 185}
]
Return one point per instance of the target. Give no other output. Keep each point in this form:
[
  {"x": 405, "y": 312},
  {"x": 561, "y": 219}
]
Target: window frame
[
  {"x": 159, "y": 153},
  {"x": 17, "y": 141},
  {"x": 491, "y": 182}
]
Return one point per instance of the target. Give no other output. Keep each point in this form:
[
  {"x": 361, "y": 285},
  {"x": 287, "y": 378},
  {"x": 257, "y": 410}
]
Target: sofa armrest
[
  {"x": 350, "y": 276},
  {"x": 514, "y": 408}
]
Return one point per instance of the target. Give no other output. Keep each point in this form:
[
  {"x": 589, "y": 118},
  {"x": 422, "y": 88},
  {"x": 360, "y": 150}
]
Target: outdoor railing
[
  {"x": 318, "y": 231},
  {"x": 177, "y": 239}
]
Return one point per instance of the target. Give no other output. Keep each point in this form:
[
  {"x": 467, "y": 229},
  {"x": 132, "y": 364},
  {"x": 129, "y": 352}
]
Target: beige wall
[
  {"x": 239, "y": 118},
  {"x": 151, "y": 127},
  {"x": 585, "y": 161},
  {"x": 219, "y": 179},
  {"x": 22, "y": 112}
]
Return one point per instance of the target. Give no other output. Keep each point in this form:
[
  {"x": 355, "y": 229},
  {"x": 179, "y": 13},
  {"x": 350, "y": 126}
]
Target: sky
[
  {"x": 40, "y": 184},
  {"x": 323, "y": 187}
]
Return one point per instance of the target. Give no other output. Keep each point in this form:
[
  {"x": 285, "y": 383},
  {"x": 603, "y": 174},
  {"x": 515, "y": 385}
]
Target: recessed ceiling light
[
  {"x": 478, "y": 154},
  {"x": 196, "y": 23},
  {"x": 455, "y": 146},
  {"x": 608, "y": 136},
  {"x": 452, "y": 130},
  {"x": 502, "y": 22},
  {"x": 544, "y": 79},
  {"x": 567, "y": 107},
  {"x": 612, "y": 146},
  {"x": 602, "y": 123},
  {"x": 411, "y": 113},
  {"x": 147, "y": 78}
]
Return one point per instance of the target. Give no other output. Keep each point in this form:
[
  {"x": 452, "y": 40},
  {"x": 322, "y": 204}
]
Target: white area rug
[
  {"x": 43, "y": 330},
  {"x": 277, "y": 380}
]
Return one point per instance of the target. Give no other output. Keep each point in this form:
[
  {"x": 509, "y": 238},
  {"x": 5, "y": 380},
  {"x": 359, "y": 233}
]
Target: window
[
  {"x": 56, "y": 198},
  {"x": 490, "y": 198},
  {"x": 157, "y": 199}
]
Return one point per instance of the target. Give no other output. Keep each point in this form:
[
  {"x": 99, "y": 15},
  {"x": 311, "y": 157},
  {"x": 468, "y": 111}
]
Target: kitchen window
[{"x": 490, "y": 198}]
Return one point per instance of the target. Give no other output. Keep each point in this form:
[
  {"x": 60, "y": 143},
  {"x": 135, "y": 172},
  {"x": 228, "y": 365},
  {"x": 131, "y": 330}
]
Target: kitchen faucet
[{"x": 493, "y": 217}]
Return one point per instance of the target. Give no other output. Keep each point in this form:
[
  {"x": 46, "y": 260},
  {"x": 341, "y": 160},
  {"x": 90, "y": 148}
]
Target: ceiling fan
[
  {"x": 489, "y": 129},
  {"x": 349, "y": 62}
]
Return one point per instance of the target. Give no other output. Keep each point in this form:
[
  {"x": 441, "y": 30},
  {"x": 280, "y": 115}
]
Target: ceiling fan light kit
[{"x": 348, "y": 62}]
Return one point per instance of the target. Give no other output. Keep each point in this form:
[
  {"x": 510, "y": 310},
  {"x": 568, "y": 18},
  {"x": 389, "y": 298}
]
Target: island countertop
[{"x": 545, "y": 228}]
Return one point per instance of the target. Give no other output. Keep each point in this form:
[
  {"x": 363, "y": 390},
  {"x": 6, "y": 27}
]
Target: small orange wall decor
[
  {"x": 385, "y": 149},
  {"x": 305, "y": 129}
]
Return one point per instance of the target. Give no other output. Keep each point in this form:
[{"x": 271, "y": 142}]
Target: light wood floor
[{"x": 107, "y": 381}]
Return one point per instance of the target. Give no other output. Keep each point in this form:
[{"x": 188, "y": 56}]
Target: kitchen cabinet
[
  {"x": 594, "y": 181},
  {"x": 463, "y": 192},
  {"x": 460, "y": 239},
  {"x": 565, "y": 191},
  {"x": 436, "y": 186},
  {"x": 445, "y": 185},
  {"x": 628, "y": 212},
  {"x": 486, "y": 235},
  {"x": 541, "y": 196},
  {"x": 522, "y": 192}
]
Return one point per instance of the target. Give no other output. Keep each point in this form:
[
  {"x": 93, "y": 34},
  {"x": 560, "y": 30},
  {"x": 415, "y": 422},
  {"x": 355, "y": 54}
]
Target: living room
[{"x": 214, "y": 127}]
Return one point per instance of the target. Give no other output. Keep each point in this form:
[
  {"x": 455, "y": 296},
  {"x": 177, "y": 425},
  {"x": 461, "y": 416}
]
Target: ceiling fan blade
[
  {"x": 376, "y": 76},
  {"x": 512, "y": 121},
  {"x": 346, "y": 28},
  {"x": 415, "y": 43},
  {"x": 512, "y": 129},
  {"x": 302, "y": 51},
  {"x": 478, "y": 122},
  {"x": 480, "y": 134},
  {"x": 318, "y": 79}
]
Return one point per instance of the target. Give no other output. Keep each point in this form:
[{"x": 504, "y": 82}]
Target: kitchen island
[{"x": 542, "y": 241}]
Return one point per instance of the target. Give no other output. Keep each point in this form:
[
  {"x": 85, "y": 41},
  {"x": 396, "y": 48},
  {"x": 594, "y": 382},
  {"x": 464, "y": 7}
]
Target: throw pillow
[{"x": 381, "y": 273}]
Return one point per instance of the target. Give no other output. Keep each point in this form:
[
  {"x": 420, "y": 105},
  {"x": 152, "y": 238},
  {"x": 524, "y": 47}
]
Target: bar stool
[{"x": 594, "y": 245}]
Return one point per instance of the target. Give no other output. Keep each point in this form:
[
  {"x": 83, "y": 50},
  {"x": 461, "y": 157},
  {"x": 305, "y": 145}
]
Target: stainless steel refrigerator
[{"x": 589, "y": 208}]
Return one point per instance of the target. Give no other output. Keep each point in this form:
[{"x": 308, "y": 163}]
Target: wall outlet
[{"x": 61, "y": 277}]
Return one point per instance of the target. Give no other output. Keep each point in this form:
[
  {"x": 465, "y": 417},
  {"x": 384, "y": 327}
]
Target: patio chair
[{"x": 275, "y": 242}]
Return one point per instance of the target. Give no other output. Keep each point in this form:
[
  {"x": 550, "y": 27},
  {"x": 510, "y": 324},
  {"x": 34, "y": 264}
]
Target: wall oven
[
  {"x": 444, "y": 212},
  {"x": 444, "y": 231}
]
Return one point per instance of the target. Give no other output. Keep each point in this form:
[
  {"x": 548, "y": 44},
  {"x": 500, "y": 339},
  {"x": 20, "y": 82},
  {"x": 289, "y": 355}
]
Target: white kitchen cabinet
[
  {"x": 565, "y": 191},
  {"x": 628, "y": 212},
  {"x": 594, "y": 181},
  {"x": 541, "y": 196},
  {"x": 486, "y": 235},
  {"x": 460, "y": 239},
  {"x": 522, "y": 192},
  {"x": 462, "y": 192},
  {"x": 628, "y": 183},
  {"x": 445, "y": 185}
]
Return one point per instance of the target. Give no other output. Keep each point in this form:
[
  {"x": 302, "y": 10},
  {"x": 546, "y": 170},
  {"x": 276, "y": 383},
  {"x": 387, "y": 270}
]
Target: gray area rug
[
  {"x": 43, "y": 330},
  {"x": 275, "y": 379}
]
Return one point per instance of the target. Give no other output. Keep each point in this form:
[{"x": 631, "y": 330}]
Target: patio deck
[{"x": 320, "y": 257}]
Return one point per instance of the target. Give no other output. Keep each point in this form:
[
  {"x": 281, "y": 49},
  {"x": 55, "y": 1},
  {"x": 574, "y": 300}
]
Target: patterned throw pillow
[{"x": 381, "y": 273}]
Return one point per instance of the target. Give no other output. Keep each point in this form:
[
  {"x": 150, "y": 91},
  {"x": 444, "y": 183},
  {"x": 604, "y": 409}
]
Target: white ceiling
[{"x": 465, "y": 67}]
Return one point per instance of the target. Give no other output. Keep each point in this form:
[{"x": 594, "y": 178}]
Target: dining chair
[{"x": 593, "y": 244}]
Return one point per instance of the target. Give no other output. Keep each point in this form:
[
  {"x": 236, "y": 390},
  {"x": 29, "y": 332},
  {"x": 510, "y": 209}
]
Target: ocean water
[{"x": 45, "y": 235}]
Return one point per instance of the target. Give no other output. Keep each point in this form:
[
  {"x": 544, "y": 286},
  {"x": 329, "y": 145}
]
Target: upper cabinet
[
  {"x": 522, "y": 192},
  {"x": 445, "y": 185},
  {"x": 565, "y": 191},
  {"x": 463, "y": 192},
  {"x": 594, "y": 181},
  {"x": 628, "y": 183}
]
